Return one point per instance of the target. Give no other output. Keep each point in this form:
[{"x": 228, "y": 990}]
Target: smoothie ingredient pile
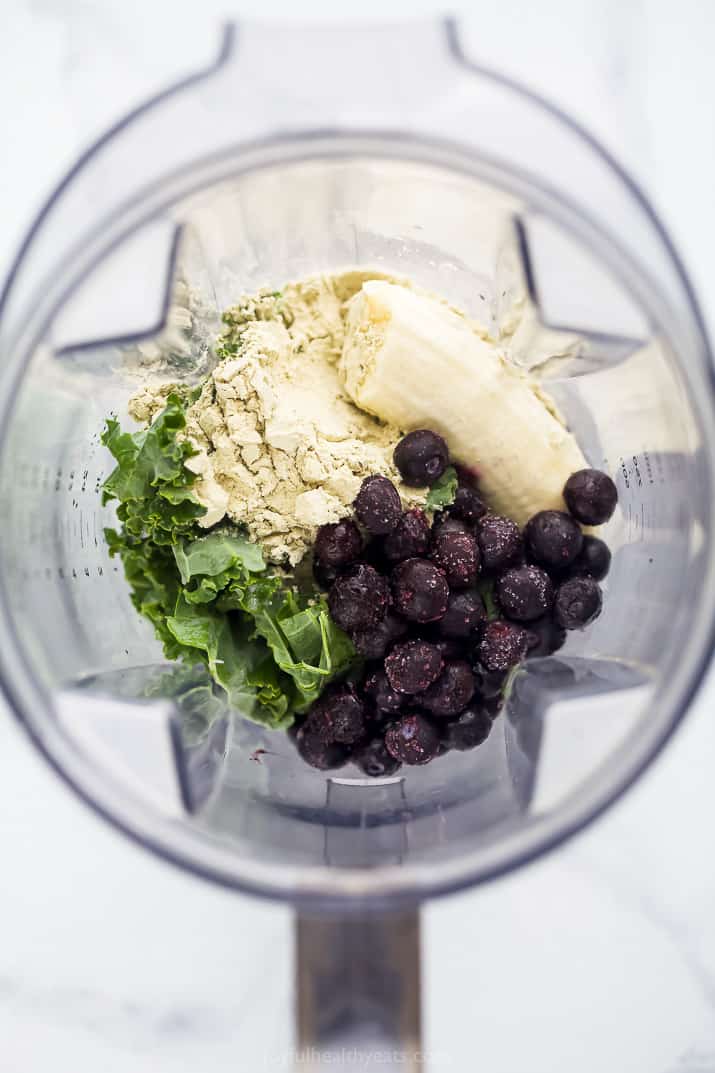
[{"x": 332, "y": 521}]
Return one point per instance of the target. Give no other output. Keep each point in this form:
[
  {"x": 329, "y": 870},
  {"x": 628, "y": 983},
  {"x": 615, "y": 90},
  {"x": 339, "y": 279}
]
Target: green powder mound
[{"x": 279, "y": 447}]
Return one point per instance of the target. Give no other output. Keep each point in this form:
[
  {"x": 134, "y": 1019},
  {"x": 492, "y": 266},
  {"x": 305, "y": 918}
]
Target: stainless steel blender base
[{"x": 358, "y": 991}]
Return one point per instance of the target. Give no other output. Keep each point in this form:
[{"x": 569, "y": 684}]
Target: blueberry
[
  {"x": 377, "y": 687},
  {"x": 338, "y": 716},
  {"x": 450, "y": 647},
  {"x": 458, "y": 555},
  {"x": 594, "y": 559},
  {"x": 359, "y": 599},
  {"x": 413, "y": 739},
  {"x": 420, "y": 590},
  {"x": 409, "y": 539},
  {"x": 412, "y": 666},
  {"x": 375, "y": 760},
  {"x": 489, "y": 683},
  {"x": 525, "y": 592},
  {"x": 421, "y": 457},
  {"x": 468, "y": 475},
  {"x": 320, "y": 754},
  {"x": 323, "y": 574},
  {"x": 502, "y": 645},
  {"x": 451, "y": 692},
  {"x": 492, "y": 706},
  {"x": 338, "y": 544},
  {"x": 374, "y": 555},
  {"x": 500, "y": 542},
  {"x": 591, "y": 496},
  {"x": 465, "y": 610},
  {"x": 378, "y": 506},
  {"x": 578, "y": 602},
  {"x": 373, "y": 642},
  {"x": 468, "y": 506},
  {"x": 468, "y": 730},
  {"x": 553, "y": 539},
  {"x": 445, "y": 523},
  {"x": 545, "y": 638}
]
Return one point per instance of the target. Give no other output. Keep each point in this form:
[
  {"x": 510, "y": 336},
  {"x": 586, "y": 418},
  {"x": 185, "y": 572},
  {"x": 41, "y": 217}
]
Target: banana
[{"x": 415, "y": 363}]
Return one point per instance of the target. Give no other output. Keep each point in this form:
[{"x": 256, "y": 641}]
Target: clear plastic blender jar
[{"x": 302, "y": 151}]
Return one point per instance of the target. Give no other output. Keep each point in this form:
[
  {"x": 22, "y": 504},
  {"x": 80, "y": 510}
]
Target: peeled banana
[{"x": 415, "y": 363}]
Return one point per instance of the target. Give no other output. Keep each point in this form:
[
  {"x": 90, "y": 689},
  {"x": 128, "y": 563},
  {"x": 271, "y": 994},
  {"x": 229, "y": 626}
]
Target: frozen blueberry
[
  {"x": 465, "y": 610},
  {"x": 493, "y": 705},
  {"x": 594, "y": 559},
  {"x": 545, "y": 638},
  {"x": 359, "y": 599},
  {"x": 468, "y": 730},
  {"x": 338, "y": 544},
  {"x": 525, "y": 592},
  {"x": 578, "y": 602},
  {"x": 489, "y": 683},
  {"x": 413, "y": 739},
  {"x": 591, "y": 496},
  {"x": 374, "y": 555},
  {"x": 338, "y": 716},
  {"x": 377, "y": 687},
  {"x": 410, "y": 537},
  {"x": 374, "y": 759},
  {"x": 378, "y": 505},
  {"x": 468, "y": 475},
  {"x": 421, "y": 457},
  {"x": 499, "y": 541},
  {"x": 412, "y": 666},
  {"x": 452, "y": 691},
  {"x": 318, "y": 753},
  {"x": 468, "y": 505},
  {"x": 458, "y": 555},
  {"x": 553, "y": 539},
  {"x": 323, "y": 574},
  {"x": 502, "y": 645},
  {"x": 445, "y": 523},
  {"x": 451, "y": 647},
  {"x": 374, "y": 642},
  {"x": 420, "y": 590}
]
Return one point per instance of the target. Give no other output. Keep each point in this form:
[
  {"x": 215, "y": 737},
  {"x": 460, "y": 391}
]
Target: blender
[{"x": 309, "y": 150}]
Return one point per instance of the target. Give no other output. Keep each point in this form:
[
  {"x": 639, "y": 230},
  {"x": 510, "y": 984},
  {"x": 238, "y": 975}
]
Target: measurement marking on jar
[
  {"x": 648, "y": 467},
  {"x": 624, "y": 471}
]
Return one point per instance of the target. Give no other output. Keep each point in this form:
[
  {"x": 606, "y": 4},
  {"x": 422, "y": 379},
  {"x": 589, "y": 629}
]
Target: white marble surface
[{"x": 600, "y": 957}]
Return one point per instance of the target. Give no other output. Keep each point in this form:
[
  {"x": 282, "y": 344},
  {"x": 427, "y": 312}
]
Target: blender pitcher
[{"x": 309, "y": 150}]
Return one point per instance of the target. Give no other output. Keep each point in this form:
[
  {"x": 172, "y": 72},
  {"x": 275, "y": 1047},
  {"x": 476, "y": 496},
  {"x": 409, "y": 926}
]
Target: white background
[{"x": 598, "y": 958}]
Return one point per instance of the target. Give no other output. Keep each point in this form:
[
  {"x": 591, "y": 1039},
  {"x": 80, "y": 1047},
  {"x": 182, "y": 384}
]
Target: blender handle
[{"x": 358, "y": 990}]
